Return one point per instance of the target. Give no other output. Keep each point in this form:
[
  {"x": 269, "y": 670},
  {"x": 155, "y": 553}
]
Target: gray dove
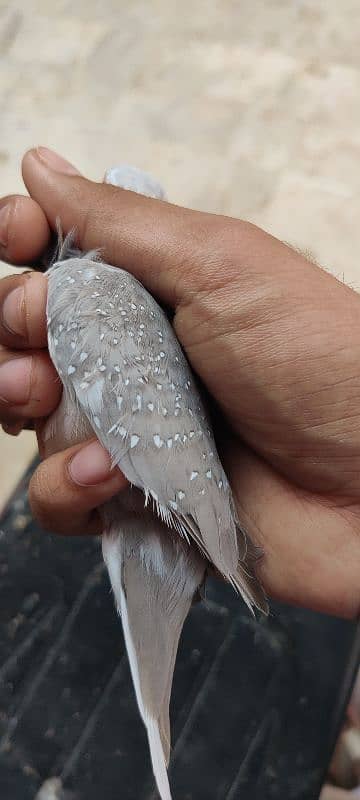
[{"x": 126, "y": 379}]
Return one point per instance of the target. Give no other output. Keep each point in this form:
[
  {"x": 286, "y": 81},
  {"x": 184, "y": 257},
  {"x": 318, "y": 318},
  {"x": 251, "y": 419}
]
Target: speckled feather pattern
[
  {"x": 126, "y": 379},
  {"x": 118, "y": 357}
]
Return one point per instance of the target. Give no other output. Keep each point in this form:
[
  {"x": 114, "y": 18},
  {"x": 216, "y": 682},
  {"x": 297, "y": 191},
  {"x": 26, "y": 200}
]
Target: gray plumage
[{"x": 126, "y": 379}]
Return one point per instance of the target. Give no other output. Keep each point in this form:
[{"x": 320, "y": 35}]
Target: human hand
[
  {"x": 334, "y": 793},
  {"x": 274, "y": 338}
]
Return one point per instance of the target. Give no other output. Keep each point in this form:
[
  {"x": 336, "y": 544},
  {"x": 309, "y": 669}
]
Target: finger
[
  {"x": 24, "y": 230},
  {"x": 67, "y": 488},
  {"x": 153, "y": 239},
  {"x": 29, "y": 386},
  {"x": 334, "y": 793},
  {"x": 23, "y": 311}
]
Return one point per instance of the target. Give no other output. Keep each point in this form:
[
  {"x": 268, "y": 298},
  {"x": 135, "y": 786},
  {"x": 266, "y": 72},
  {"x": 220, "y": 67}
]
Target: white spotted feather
[{"x": 142, "y": 401}]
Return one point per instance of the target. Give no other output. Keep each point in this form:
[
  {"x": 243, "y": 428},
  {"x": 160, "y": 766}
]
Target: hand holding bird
[
  {"x": 274, "y": 338},
  {"x": 126, "y": 379}
]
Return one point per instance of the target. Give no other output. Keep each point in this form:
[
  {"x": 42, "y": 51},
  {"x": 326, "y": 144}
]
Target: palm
[{"x": 296, "y": 477}]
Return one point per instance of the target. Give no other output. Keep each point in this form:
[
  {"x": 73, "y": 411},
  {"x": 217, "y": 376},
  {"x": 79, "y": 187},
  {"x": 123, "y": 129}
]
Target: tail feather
[
  {"x": 241, "y": 573},
  {"x": 245, "y": 580},
  {"x": 159, "y": 751},
  {"x": 158, "y": 758},
  {"x": 154, "y": 577},
  {"x": 250, "y": 589}
]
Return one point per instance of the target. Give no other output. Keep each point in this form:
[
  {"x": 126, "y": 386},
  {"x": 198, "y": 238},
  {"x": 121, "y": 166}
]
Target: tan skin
[{"x": 275, "y": 339}]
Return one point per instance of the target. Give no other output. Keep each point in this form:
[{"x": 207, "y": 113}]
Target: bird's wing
[
  {"x": 117, "y": 353},
  {"x": 140, "y": 551}
]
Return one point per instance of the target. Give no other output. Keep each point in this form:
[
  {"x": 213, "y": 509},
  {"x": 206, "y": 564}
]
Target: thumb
[{"x": 166, "y": 247}]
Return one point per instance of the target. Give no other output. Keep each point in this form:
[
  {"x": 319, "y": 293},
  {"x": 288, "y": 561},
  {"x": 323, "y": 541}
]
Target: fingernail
[
  {"x": 56, "y": 162},
  {"x": 13, "y": 312},
  {"x": 15, "y": 380},
  {"x": 4, "y": 223},
  {"x": 91, "y": 465}
]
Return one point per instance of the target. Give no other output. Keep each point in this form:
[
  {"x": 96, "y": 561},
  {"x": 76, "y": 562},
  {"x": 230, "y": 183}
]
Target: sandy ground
[{"x": 239, "y": 106}]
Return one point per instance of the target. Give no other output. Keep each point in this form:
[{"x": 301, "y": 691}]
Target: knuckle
[{"x": 212, "y": 261}]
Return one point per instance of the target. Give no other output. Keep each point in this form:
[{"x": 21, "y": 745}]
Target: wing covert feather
[{"x": 117, "y": 353}]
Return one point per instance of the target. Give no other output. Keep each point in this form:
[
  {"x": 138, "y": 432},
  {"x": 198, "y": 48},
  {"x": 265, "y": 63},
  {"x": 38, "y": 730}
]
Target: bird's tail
[
  {"x": 154, "y": 576},
  {"x": 158, "y": 758}
]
